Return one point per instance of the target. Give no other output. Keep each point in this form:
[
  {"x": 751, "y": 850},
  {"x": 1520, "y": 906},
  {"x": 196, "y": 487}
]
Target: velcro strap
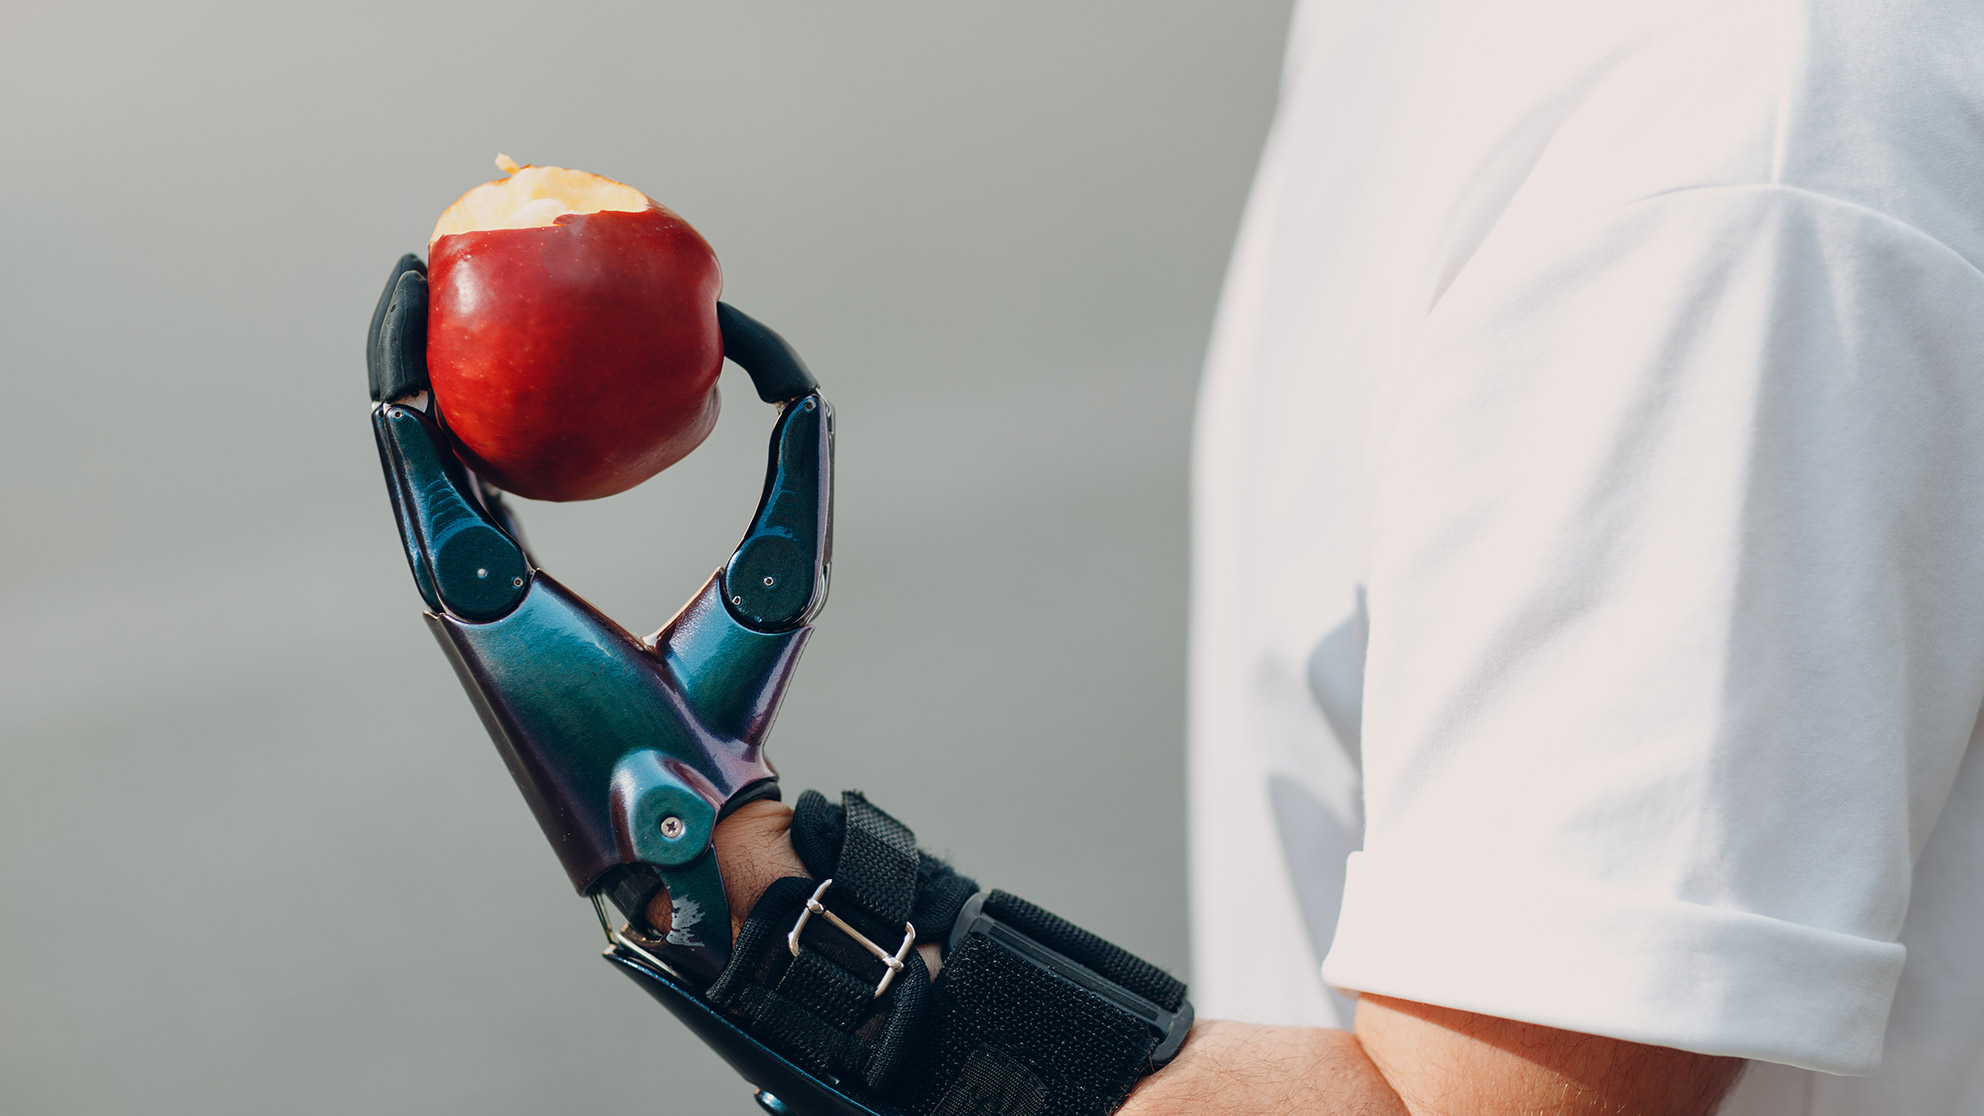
[
  {"x": 819, "y": 1007},
  {"x": 833, "y": 1000},
  {"x": 1063, "y": 1051},
  {"x": 818, "y": 828},
  {"x": 1111, "y": 961},
  {"x": 993, "y": 1083},
  {"x": 877, "y": 863}
]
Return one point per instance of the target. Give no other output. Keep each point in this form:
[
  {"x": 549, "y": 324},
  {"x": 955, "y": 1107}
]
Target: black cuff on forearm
[{"x": 1031, "y": 1015}]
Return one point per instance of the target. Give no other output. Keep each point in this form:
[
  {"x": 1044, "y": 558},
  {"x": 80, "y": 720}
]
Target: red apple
[{"x": 572, "y": 339}]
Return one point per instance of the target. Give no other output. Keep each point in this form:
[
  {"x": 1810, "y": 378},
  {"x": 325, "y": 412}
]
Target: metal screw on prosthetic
[{"x": 628, "y": 751}]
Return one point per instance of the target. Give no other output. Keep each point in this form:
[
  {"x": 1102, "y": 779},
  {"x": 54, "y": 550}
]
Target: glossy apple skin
[{"x": 578, "y": 359}]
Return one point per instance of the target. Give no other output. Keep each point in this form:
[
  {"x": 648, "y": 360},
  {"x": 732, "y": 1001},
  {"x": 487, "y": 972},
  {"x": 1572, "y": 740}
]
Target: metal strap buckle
[{"x": 893, "y": 961}]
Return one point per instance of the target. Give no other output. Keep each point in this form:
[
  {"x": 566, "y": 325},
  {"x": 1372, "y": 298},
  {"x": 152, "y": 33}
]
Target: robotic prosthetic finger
[{"x": 629, "y": 751}]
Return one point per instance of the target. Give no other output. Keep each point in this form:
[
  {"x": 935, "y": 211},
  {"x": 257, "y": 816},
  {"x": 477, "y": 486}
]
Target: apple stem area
[{"x": 506, "y": 164}]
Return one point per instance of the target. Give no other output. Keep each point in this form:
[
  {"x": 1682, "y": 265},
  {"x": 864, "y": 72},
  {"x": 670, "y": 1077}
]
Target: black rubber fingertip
[
  {"x": 775, "y": 368},
  {"x": 402, "y": 345},
  {"x": 406, "y": 263}
]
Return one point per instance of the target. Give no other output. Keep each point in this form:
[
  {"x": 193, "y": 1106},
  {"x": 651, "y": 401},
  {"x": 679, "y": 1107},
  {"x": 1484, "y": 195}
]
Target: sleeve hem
[{"x": 1638, "y": 967}]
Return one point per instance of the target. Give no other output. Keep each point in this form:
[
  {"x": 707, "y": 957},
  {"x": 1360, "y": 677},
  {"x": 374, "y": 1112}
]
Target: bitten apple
[{"x": 572, "y": 338}]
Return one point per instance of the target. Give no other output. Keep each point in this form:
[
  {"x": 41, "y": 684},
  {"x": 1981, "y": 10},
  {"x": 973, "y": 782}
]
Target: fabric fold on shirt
[{"x": 1644, "y": 968}]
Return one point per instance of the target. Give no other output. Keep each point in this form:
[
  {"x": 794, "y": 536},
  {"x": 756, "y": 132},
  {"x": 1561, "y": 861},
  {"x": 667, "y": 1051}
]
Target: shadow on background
[{"x": 256, "y": 853}]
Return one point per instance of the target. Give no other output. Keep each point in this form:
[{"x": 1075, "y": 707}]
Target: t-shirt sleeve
[{"x": 1676, "y": 592}]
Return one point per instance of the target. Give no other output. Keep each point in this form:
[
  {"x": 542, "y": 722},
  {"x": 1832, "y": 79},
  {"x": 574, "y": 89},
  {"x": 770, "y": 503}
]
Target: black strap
[
  {"x": 1108, "y": 960},
  {"x": 993, "y": 1083},
  {"x": 820, "y": 1006},
  {"x": 1027, "y": 1019},
  {"x": 1085, "y": 1053},
  {"x": 876, "y": 868},
  {"x": 818, "y": 828}
]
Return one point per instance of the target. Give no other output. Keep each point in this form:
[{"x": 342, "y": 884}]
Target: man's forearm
[
  {"x": 1244, "y": 1069},
  {"x": 1409, "y": 1059},
  {"x": 1442, "y": 1061}
]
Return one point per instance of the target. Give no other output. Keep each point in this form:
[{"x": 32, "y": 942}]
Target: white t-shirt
[{"x": 1590, "y": 530}]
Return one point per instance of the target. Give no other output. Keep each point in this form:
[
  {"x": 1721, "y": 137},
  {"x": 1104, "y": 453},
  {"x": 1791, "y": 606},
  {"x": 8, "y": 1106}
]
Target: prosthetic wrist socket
[{"x": 827, "y": 1006}]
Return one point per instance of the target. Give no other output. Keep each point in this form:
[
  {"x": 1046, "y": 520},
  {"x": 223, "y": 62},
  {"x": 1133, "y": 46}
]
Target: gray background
[{"x": 255, "y": 852}]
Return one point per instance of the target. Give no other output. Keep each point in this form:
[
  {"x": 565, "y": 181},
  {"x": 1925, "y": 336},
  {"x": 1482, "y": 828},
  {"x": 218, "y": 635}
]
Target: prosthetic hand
[{"x": 629, "y": 751}]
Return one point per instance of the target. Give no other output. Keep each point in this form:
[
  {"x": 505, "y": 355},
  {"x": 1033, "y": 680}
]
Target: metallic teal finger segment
[
  {"x": 777, "y": 579},
  {"x": 462, "y": 560}
]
